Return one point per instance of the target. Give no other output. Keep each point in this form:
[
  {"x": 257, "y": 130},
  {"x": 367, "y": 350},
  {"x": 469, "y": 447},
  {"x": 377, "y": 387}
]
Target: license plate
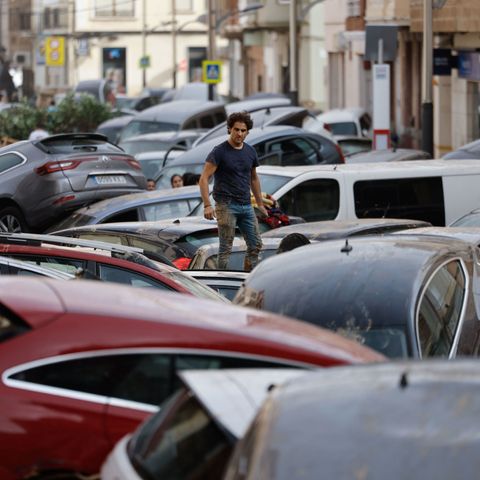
[{"x": 110, "y": 179}]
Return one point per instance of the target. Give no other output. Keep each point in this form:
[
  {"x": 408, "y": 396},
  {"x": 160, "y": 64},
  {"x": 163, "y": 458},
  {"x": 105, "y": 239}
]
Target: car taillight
[
  {"x": 182, "y": 263},
  {"x": 51, "y": 167},
  {"x": 340, "y": 152},
  {"x": 134, "y": 163},
  {"x": 327, "y": 126}
]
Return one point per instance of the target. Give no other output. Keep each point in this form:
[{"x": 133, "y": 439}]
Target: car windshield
[
  {"x": 271, "y": 183},
  {"x": 181, "y": 441},
  {"x": 343, "y": 128},
  {"x": 76, "y": 219},
  {"x": 139, "y": 127},
  {"x": 194, "y": 286},
  {"x": 392, "y": 342},
  {"x": 235, "y": 261},
  {"x": 469, "y": 220}
]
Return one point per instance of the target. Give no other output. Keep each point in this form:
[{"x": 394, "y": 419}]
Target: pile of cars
[{"x": 127, "y": 355}]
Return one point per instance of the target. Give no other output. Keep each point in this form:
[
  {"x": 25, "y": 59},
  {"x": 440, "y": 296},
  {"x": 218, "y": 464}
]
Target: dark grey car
[
  {"x": 398, "y": 420},
  {"x": 174, "y": 116},
  {"x": 42, "y": 181},
  {"x": 275, "y": 145}
]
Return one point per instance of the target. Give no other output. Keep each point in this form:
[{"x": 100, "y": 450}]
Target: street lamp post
[
  {"x": 427, "y": 88},
  {"x": 174, "y": 45},
  {"x": 211, "y": 53},
  {"x": 293, "y": 51}
]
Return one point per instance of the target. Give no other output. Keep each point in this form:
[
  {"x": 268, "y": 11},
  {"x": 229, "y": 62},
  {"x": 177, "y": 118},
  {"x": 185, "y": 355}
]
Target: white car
[{"x": 347, "y": 121}]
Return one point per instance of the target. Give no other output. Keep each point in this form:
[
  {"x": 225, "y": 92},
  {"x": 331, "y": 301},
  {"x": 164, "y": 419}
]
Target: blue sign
[{"x": 469, "y": 65}]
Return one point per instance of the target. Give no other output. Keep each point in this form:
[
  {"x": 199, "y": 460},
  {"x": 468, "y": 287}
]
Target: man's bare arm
[
  {"x": 257, "y": 191},
  {"x": 208, "y": 171}
]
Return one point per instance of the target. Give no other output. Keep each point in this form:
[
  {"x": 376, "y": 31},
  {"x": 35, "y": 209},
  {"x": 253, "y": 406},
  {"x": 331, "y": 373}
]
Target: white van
[{"x": 436, "y": 191}]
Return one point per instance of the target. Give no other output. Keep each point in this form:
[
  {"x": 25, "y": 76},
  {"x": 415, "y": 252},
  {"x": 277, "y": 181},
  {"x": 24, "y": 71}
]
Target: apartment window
[
  {"x": 24, "y": 21},
  {"x": 353, "y": 8},
  {"x": 54, "y": 18},
  {"x": 114, "y": 8}
]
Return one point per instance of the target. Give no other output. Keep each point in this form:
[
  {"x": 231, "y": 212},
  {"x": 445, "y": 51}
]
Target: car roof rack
[{"x": 38, "y": 239}]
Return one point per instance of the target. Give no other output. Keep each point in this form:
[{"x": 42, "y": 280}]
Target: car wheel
[{"x": 11, "y": 220}]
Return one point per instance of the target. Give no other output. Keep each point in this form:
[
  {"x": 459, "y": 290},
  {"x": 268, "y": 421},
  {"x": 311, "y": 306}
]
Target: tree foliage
[{"x": 73, "y": 114}]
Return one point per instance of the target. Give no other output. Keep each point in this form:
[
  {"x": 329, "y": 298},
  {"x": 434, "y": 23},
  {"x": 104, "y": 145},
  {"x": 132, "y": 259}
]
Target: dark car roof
[
  {"x": 358, "y": 274},
  {"x": 398, "y": 420},
  {"x": 262, "y": 117},
  {"x": 116, "y": 122},
  {"x": 136, "y": 317},
  {"x": 331, "y": 229},
  {"x": 133, "y": 199},
  {"x": 177, "y": 111},
  {"x": 171, "y": 229},
  {"x": 390, "y": 155}
]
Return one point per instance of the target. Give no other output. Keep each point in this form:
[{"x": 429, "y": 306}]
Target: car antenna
[
  {"x": 267, "y": 112},
  {"x": 403, "y": 380},
  {"x": 346, "y": 248}
]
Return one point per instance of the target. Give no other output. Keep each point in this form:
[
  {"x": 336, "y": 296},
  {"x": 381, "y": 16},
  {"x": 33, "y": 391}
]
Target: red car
[
  {"x": 83, "y": 363},
  {"x": 102, "y": 261}
]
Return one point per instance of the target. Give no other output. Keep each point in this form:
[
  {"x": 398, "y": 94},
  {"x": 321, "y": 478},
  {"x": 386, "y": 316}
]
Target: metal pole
[
  {"x": 144, "y": 41},
  {"x": 293, "y": 51},
  {"x": 211, "y": 42},
  {"x": 174, "y": 44},
  {"x": 427, "y": 67}
]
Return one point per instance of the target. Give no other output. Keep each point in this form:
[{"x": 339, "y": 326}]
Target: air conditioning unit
[{"x": 23, "y": 59}]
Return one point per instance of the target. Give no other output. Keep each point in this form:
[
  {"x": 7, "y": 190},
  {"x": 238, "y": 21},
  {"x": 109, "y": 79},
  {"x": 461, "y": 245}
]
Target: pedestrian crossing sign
[{"x": 211, "y": 71}]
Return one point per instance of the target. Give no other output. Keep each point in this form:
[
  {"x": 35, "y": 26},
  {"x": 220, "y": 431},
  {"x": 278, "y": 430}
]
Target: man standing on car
[{"x": 233, "y": 164}]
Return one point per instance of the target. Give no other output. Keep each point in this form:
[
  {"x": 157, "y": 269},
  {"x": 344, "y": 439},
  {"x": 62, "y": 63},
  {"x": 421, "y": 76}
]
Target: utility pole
[
  {"x": 212, "y": 50},
  {"x": 144, "y": 41},
  {"x": 174, "y": 44},
  {"x": 293, "y": 51},
  {"x": 427, "y": 88}
]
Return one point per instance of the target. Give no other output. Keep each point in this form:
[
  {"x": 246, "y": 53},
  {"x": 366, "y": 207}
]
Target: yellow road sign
[{"x": 55, "y": 51}]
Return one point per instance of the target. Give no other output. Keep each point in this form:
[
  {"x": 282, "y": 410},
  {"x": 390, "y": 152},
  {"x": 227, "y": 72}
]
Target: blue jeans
[{"x": 228, "y": 217}]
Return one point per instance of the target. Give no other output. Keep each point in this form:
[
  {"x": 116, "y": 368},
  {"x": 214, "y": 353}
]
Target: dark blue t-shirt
[{"x": 234, "y": 172}]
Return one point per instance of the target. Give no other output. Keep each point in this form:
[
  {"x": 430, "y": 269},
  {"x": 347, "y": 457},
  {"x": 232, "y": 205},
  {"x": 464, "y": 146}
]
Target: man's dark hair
[
  {"x": 292, "y": 241},
  {"x": 243, "y": 117}
]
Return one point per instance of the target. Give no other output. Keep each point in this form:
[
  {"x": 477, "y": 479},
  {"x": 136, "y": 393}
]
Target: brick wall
[{"x": 455, "y": 16}]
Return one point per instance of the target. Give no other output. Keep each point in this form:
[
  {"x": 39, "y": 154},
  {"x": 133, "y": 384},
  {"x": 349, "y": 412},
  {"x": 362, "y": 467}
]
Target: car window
[
  {"x": 441, "y": 308},
  {"x": 130, "y": 215},
  {"x": 415, "y": 198},
  {"x": 163, "y": 210},
  {"x": 235, "y": 261},
  {"x": 147, "y": 378},
  {"x": 271, "y": 183},
  {"x": 207, "y": 121},
  {"x": 10, "y": 160},
  {"x": 188, "y": 445},
  {"x": 292, "y": 151},
  {"x": 10, "y": 325},
  {"x": 68, "y": 265},
  {"x": 343, "y": 128},
  {"x": 469, "y": 220},
  {"x": 110, "y": 273},
  {"x": 313, "y": 200},
  {"x": 102, "y": 237}
]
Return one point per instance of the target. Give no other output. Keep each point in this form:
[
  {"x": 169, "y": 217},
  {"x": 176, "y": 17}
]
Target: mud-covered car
[{"x": 405, "y": 295}]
